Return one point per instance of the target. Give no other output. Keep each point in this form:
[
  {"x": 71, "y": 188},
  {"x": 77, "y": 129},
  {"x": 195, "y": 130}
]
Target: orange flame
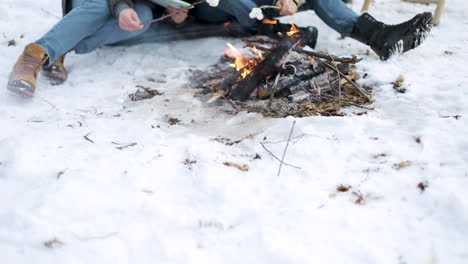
[
  {"x": 269, "y": 21},
  {"x": 293, "y": 30},
  {"x": 242, "y": 62}
]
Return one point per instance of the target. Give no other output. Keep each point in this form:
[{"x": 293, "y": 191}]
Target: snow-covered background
[{"x": 170, "y": 199}]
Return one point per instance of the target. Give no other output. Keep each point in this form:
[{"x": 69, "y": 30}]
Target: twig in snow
[
  {"x": 61, "y": 173},
  {"x": 273, "y": 155},
  {"x": 49, "y": 13},
  {"x": 87, "y": 138},
  {"x": 359, "y": 198},
  {"x": 49, "y": 103},
  {"x": 126, "y": 146},
  {"x": 286, "y": 148},
  {"x": 97, "y": 237},
  {"x": 294, "y": 140},
  {"x": 55, "y": 242}
]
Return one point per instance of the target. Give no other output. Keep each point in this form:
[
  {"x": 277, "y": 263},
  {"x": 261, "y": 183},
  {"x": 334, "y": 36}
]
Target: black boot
[
  {"x": 272, "y": 30},
  {"x": 387, "y": 40}
]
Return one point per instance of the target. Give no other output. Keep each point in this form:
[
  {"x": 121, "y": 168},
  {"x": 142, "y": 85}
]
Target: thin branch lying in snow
[
  {"x": 273, "y": 155},
  {"x": 294, "y": 140},
  {"x": 87, "y": 138},
  {"x": 47, "y": 102},
  {"x": 49, "y": 13},
  {"x": 286, "y": 148},
  {"x": 96, "y": 237}
]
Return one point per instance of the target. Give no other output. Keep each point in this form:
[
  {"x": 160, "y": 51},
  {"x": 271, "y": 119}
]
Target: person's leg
[
  {"x": 83, "y": 20},
  {"x": 334, "y": 13},
  {"x": 111, "y": 32},
  {"x": 227, "y": 10}
]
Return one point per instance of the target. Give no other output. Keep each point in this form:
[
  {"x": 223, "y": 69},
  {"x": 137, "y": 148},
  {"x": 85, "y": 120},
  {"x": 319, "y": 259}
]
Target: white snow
[{"x": 142, "y": 204}]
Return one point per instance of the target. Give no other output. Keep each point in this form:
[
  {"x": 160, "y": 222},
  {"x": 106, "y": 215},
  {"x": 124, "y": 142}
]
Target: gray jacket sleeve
[{"x": 113, "y": 4}]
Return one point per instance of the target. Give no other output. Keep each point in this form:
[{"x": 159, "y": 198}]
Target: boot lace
[{"x": 30, "y": 64}]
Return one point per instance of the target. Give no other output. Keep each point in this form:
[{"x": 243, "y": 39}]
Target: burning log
[
  {"x": 296, "y": 82},
  {"x": 269, "y": 65}
]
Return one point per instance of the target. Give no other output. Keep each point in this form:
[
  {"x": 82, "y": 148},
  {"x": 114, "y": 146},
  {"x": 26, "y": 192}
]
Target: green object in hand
[{"x": 179, "y": 3}]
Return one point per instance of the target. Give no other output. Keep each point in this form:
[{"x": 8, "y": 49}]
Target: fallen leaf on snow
[
  {"x": 402, "y": 164},
  {"x": 342, "y": 188},
  {"x": 235, "y": 165},
  {"x": 422, "y": 186}
]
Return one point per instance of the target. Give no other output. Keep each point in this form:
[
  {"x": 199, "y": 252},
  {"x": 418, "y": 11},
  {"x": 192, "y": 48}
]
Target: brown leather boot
[
  {"x": 24, "y": 75},
  {"x": 56, "y": 72}
]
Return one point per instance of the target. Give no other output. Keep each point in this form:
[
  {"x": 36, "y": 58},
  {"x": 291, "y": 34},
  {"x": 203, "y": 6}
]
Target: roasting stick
[
  {"x": 268, "y": 6},
  {"x": 170, "y": 14}
]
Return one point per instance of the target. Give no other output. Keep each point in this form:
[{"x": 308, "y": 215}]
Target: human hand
[
  {"x": 128, "y": 20},
  {"x": 178, "y": 15},
  {"x": 286, "y": 7}
]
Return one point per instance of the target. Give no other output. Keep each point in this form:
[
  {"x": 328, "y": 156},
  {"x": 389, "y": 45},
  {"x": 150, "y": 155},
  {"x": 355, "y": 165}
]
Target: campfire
[{"x": 280, "y": 78}]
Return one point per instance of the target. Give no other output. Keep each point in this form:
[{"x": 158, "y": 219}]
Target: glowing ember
[
  {"x": 293, "y": 30},
  {"x": 269, "y": 21}
]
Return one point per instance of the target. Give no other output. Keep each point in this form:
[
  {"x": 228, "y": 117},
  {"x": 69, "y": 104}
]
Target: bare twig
[
  {"x": 294, "y": 140},
  {"x": 337, "y": 70},
  {"x": 87, "y": 138},
  {"x": 352, "y": 60},
  {"x": 49, "y": 13},
  {"x": 250, "y": 45},
  {"x": 349, "y": 102},
  {"x": 262, "y": 41},
  {"x": 47, "y": 102},
  {"x": 286, "y": 148},
  {"x": 97, "y": 237},
  {"x": 273, "y": 155},
  {"x": 359, "y": 89},
  {"x": 126, "y": 146}
]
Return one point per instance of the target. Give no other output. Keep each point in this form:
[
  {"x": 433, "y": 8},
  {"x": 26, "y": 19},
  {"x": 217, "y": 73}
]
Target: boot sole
[
  {"x": 422, "y": 28},
  {"x": 19, "y": 91},
  {"x": 53, "y": 80}
]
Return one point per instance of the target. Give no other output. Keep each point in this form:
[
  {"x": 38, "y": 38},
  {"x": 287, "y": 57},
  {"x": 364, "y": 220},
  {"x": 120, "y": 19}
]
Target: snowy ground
[{"x": 142, "y": 204}]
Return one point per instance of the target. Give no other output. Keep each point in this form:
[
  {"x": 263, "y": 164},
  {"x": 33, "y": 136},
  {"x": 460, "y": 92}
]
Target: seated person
[{"x": 90, "y": 24}]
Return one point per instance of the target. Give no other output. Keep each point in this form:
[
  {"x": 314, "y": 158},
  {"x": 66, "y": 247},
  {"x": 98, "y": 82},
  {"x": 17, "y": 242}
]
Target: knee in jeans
[{"x": 98, "y": 6}]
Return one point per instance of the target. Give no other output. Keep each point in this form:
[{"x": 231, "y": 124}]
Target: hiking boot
[
  {"x": 387, "y": 40},
  {"x": 56, "y": 72},
  {"x": 24, "y": 75},
  {"x": 273, "y": 27}
]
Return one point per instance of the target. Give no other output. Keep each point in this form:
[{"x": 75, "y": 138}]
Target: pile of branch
[{"x": 290, "y": 81}]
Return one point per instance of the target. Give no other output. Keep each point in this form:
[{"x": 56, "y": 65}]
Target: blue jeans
[
  {"x": 89, "y": 25},
  {"x": 334, "y": 13}
]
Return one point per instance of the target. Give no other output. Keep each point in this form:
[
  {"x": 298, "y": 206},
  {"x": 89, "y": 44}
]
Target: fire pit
[{"x": 279, "y": 78}]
